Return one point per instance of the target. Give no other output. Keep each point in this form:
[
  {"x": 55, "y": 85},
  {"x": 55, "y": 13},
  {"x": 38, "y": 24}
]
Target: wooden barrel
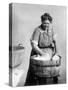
[{"x": 45, "y": 68}]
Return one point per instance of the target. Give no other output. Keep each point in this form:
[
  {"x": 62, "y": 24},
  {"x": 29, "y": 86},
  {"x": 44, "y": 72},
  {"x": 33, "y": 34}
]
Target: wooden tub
[{"x": 45, "y": 68}]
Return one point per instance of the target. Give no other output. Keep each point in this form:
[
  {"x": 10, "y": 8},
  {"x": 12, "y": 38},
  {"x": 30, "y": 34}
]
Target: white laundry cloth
[
  {"x": 45, "y": 57},
  {"x": 55, "y": 57}
]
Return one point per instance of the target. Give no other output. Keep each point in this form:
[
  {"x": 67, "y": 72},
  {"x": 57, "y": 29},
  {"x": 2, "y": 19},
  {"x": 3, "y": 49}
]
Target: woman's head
[
  {"x": 46, "y": 20},
  {"x": 46, "y": 16}
]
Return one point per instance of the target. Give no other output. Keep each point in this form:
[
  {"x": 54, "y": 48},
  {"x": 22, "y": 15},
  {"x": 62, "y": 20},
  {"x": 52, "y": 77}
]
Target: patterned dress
[{"x": 44, "y": 40}]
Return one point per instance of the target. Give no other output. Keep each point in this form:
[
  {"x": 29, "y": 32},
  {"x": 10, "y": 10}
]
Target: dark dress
[{"x": 44, "y": 40}]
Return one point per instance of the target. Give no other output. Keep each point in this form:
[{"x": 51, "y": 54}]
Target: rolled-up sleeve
[{"x": 35, "y": 36}]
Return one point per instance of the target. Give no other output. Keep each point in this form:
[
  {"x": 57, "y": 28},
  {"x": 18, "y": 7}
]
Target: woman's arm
[
  {"x": 34, "y": 41},
  {"x": 54, "y": 46},
  {"x": 54, "y": 41},
  {"x": 37, "y": 49},
  {"x": 55, "y": 49}
]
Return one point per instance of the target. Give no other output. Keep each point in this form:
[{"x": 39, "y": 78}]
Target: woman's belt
[{"x": 50, "y": 46}]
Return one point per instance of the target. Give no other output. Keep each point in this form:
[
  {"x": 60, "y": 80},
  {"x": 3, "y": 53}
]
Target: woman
[{"x": 42, "y": 42}]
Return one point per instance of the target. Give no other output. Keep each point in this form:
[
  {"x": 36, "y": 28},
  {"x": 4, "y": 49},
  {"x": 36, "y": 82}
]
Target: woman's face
[{"x": 46, "y": 23}]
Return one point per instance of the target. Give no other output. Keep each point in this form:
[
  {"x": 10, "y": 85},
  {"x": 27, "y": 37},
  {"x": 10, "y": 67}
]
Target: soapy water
[{"x": 46, "y": 57}]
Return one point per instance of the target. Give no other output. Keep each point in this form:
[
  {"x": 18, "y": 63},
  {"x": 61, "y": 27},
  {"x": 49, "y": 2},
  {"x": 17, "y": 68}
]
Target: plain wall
[{"x": 25, "y": 18}]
